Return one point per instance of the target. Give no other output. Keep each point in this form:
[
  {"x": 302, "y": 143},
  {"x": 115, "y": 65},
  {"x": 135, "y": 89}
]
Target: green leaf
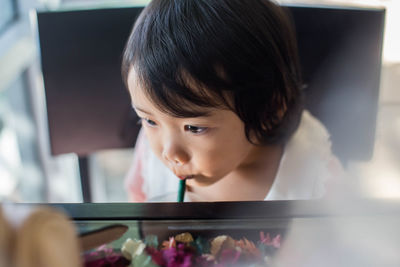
[{"x": 151, "y": 241}]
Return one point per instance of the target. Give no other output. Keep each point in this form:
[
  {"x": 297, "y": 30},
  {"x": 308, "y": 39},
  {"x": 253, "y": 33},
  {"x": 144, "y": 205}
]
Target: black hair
[{"x": 234, "y": 54}]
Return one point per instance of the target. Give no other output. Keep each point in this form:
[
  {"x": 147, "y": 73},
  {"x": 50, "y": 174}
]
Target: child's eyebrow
[
  {"x": 141, "y": 110},
  {"x": 193, "y": 114}
]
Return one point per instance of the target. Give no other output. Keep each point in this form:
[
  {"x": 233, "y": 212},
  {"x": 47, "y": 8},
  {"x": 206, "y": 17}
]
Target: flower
[
  {"x": 105, "y": 257},
  {"x": 184, "y": 238},
  {"x": 221, "y": 242},
  {"x": 179, "y": 256},
  {"x": 156, "y": 255},
  {"x": 171, "y": 243},
  {"x": 183, "y": 251},
  {"x": 249, "y": 247},
  {"x": 266, "y": 240},
  {"x": 205, "y": 260},
  {"x": 229, "y": 257},
  {"x": 132, "y": 248}
]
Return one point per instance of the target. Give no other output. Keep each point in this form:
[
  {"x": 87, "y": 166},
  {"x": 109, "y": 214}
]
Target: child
[{"x": 217, "y": 86}]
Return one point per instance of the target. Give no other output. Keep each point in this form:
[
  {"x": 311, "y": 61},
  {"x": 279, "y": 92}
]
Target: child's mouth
[{"x": 185, "y": 177}]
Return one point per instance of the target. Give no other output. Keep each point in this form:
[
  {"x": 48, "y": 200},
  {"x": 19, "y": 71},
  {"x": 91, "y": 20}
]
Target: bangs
[{"x": 182, "y": 97}]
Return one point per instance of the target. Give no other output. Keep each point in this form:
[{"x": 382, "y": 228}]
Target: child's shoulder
[{"x": 305, "y": 165}]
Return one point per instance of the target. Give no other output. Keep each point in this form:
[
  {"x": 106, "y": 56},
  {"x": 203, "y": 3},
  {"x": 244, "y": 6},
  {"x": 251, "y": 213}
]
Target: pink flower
[
  {"x": 248, "y": 247},
  {"x": 180, "y": 256},
  {"x": 204, "y": 261},
  {"x": 105, "y": 257},
  {"x": 228, "y": 257},
  {"x": 156, "y": 255},
  {"x": 169, "y": 244},
  {"x": 266, "y": 240}
]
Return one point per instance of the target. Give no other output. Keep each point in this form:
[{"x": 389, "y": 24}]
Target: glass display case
[{"x": 277, "y": 233}]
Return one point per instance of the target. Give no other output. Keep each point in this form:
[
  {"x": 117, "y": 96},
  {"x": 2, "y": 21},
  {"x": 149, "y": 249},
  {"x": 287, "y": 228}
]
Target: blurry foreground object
[
  {"x": 38, "y": 237},
  {"x": 356, "y": 233},
  {"x": 7, "y": 237}
]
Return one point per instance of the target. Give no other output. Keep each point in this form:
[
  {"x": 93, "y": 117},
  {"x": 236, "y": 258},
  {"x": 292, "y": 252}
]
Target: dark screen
[
  {"x": 89, "y": 108},
  {"x": 88, "y": 105}
]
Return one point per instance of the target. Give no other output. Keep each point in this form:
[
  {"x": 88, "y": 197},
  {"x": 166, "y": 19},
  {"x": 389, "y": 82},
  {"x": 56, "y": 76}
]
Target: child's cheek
[
  {"x": 212, "y": 161},
  {"x": 154, "y": 142}
]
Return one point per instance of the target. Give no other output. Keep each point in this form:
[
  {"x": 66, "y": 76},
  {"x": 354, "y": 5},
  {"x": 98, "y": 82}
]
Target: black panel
[
  {"x": 88, "y": 106},
  {"x": 340, "y": 53},
  {"x": 285, "y": 209}
]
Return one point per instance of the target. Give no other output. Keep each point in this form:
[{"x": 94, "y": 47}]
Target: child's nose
[{"x": 174, "y": 153}]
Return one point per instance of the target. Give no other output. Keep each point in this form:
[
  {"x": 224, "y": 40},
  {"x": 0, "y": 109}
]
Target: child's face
[{"x": 204, "y": 149}]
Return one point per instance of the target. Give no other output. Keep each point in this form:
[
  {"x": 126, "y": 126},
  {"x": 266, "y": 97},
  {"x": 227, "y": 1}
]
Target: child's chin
[{"x": 201, "y": 181}]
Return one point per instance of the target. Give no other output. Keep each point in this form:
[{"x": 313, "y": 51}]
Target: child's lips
[{"x": 183, "y": 177}]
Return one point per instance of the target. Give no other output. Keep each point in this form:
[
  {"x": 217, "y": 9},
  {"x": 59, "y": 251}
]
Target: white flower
[{"x": 132, "y": 248}]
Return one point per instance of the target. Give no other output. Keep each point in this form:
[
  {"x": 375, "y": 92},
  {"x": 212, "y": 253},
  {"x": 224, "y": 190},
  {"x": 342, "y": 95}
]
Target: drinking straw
[{"x": 181, "y": 190}]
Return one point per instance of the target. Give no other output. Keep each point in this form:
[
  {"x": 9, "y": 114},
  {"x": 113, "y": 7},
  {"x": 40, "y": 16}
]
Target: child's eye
[
  {"x": 149, "y": 122},
  {"x": 195, "y": 129}
]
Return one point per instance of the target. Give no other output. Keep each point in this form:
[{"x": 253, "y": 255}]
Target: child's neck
[{"x": 252, "y": 180}]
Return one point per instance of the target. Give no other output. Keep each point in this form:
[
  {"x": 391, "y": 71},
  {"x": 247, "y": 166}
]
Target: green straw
[{"x": 181, "y": 190}]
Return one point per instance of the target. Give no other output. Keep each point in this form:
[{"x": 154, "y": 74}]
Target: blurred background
[{"x": 29, "y": 173}]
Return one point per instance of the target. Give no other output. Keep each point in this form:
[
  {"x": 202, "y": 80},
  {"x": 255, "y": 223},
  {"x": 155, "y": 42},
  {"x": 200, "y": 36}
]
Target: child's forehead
[{"x": 133, "y": 78}]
